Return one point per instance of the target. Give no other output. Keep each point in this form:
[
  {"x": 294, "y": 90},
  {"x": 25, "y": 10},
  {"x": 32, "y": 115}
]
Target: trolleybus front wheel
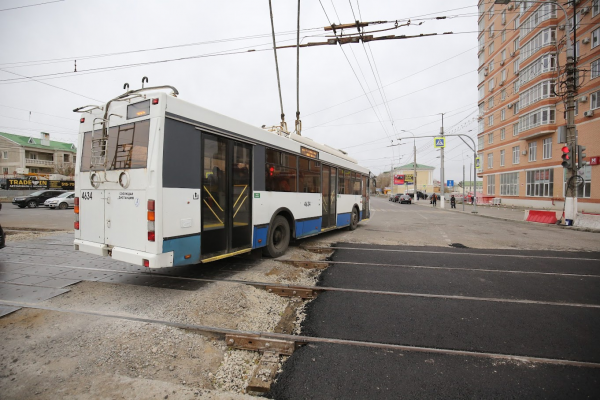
[{"x": 279, "y": 238}]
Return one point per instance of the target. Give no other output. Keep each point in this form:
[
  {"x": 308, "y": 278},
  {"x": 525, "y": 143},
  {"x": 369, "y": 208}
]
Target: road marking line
[
  {"x": 311, "y": 339},
  {"x": 468, "y": 254}
]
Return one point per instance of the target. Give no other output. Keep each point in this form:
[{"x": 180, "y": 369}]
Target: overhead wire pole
[
  {"x": 298, "y": 123},
  {"x": 283, "y": 124},
  {"x": 442, "y": 187}
]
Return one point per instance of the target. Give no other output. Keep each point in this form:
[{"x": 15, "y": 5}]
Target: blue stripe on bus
[
  {"x": 343, "y": 219},
  {"x": 260, "y": 234},
  {"x": 308, "y": 227},
  {"x": 361, "y": 215},
  {"x": 182, "y": 247}
]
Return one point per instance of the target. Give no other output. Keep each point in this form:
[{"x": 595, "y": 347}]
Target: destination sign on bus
[
  {"x": 138, "y": 109},
  {"x": 309, "y": 152}
]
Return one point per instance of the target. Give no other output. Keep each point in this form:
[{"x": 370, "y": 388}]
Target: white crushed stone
[
  {"x": 24, "y": 235},
  {"x": 236, "y": 370}
]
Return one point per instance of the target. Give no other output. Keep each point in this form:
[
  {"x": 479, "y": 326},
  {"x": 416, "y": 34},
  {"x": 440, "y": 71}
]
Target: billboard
[
  {"x": 404, "y": 179},
  {"x": 16, "y": 184}
]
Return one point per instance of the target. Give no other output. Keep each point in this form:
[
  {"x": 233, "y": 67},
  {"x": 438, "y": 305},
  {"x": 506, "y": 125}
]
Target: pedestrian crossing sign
[
  {"x": 477, "y": 162},
  {"x": 439, "y": 142}
]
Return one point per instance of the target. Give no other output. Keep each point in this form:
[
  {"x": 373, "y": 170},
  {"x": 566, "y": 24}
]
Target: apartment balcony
[{"x": 34, "y": 161}]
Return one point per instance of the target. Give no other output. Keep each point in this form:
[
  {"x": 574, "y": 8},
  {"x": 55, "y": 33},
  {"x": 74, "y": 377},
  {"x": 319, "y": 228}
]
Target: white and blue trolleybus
[{"x": 161, "y": 182}]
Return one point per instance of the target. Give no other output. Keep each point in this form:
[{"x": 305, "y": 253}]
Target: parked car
[
  {"x": 404, "y": 198},
  {"x": 63, "y": 201},
  {"x": 36, "y": 198},
  {"x": 2, "y": 238},
  {"x": 395, "y": 197},
  {"x": 420, "y": 195}
]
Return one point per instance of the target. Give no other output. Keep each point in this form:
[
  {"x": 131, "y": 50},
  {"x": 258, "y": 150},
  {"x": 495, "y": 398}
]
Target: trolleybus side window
[
  {"x": 310, "y": 176},
  {"x": 280, "y": 171},
  {"x": 341, "y": 185},
  {"x": 86, "y": 153},
  {"x": 348, "y": 182}
]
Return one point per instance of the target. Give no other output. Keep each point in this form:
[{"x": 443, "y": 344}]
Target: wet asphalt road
[{"x": 509, "y": 302}]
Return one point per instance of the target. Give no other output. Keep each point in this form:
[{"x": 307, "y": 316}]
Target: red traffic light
[{"x": 565, "y": 149}]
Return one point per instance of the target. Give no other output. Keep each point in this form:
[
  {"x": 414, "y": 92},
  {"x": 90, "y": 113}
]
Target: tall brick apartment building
[{"x": 522, "y": 55}]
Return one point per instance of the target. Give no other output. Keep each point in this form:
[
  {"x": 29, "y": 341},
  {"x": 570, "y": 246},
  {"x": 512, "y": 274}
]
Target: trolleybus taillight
[
  {"x": 151, "y": 218},
  {"x": 154, "y": 101},
  {"x": 76, "y": 210}
]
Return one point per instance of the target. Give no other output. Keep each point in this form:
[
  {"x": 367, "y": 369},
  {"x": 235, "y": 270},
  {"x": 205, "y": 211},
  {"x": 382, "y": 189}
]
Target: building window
[
  {"x": 490, "y": 138},
  {"x": 516, "y": 129},
  {"x": 503, "y": 75},
  {"x": 481, "y": 92},
  {"x": 547, "y": 148},
  {"x": 5, "y": 170},
  {"x": 65, "y": 158},
  {"x": 503, "y": 36},
  {"x": 516, "y": 67},
  {"x": 540, "y": 183},
  {"x": 595, "y": 7},
  {"x": 516, "y": 45},
  {"x": 503, "y": 17},
  {"x": 515, "y": 151},
  {"x": 491, "y": 31},
  {"x": 480, "y": 126},
  {"x": 491, "y": 102},
  {"x": 516, "y": 86},
  {"x": 532, "y": 151},
  {"x": 541, "y": 116},
  {"x": 491, "y": 65},
  {"x": 595, "y": 37},
  {"x": 543, "y": 13},
  {"x": 491, "y": 13},
  {"x": 502, "y": 114},
  {"x": 492, "y": 84},
  {"x": 584, "y": 190},
  {"x": 503, "y": 95},
  {"x": 502, "y": 158},
  {"x": 537, "y": 92},
  {"x": 515, "y": 107},
  {"x": 509, "y": 184},
  {"x": 543, "y": 64},
  {"x": 595, "y": 69},
  {"x": 576, "y": 107},
  {"x": 480, "y": 142},
  {"x": 491, "y": 184},
  {"x": 491, "y": 120},
  {"x": 545, "y": 38},
  {"x": 491, "y": 48},
  {"x": 490, "y": 160},
  {"x": 595, "y": 100},
  {"x": 5, "y": 155}
]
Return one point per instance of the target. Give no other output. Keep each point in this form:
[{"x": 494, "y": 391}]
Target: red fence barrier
[{"x": 544, "y": 217}]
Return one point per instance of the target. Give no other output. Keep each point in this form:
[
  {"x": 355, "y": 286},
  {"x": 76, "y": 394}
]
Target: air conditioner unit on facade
[
  {"x": 501, "y": 83},
  {"x": 503, "y": 22},
  {"x": 510, "y": 7},
  {"x": 517, "y": 72},
  {"x": 583, "y": 99},
  {"x": 481, "y": 48},
  {"x": 561, "y": 27},
  {"x": 585, "y": 40},
  {"x": 485, "y": 73},
  {"x": 589, "y": 113},
  {"x": 513, "y": 54},
  {"x": 510, "y": 105},
  {"x": 524, "y": 152},
  {"x": 584, "y": 10},
  {"x": 492, "y": 34},
  {"x": 501, "y": 62}
]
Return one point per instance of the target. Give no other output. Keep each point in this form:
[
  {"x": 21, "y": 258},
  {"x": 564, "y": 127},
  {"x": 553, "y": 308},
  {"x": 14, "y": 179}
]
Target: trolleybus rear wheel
[
  {"x": 353, "y": 220},
  {"x": 279, "y": 238}
]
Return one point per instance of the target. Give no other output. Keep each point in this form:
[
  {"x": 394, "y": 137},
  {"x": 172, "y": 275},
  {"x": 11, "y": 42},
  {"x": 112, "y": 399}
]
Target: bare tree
[{"x": 65, "y": 169}]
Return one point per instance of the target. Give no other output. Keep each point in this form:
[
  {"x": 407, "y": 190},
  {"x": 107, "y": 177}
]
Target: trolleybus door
[
  {"x": 329, "y": 197},
  {"x": 226, "y": 203}
]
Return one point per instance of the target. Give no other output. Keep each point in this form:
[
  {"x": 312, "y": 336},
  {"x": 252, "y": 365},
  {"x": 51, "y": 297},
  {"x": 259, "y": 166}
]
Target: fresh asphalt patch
[
  {"x": 489, "y": 322},
  {"x": 329, "y": 371},
  {"x": 585, "y": 263}
]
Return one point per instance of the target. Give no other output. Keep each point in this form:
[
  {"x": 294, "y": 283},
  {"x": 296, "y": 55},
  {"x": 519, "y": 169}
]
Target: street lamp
[{"x": 415, "y": 195}]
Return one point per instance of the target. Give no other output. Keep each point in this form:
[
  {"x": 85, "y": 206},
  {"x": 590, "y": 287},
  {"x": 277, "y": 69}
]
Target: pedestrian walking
[
  {"x": 452, "y": 202},
  {"x": 434, "y": 199}
]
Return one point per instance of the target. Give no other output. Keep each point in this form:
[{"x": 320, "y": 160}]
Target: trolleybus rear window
[{"x": 127, "y": 147}]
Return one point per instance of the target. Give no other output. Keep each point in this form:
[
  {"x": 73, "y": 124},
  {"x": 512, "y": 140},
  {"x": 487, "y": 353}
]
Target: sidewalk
[{"x": 516, "y": 214}]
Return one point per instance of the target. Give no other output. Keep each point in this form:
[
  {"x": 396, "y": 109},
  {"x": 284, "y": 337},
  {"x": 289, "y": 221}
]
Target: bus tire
[
  {"x": 353, "y": 219},
  {"x": 279, "y": 238}
]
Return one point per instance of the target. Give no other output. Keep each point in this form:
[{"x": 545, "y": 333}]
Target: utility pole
[
  {"x": 470, "y": 181},
  {"x": 442, "y": 187},
  {"x": 463, "y": 185},
  {"x": 416, "y": 196}
]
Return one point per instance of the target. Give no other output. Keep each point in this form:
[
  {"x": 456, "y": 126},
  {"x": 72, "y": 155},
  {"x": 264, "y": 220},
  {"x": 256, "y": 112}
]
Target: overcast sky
[{"x": 421, "y": 77}]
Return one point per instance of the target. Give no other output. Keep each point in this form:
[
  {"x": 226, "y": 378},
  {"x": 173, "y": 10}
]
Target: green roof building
[{"x": 25, "y": 154}]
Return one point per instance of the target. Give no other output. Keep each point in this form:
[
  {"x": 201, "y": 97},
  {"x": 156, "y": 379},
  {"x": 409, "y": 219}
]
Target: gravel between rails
[{"x": 48, "y": 354}]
